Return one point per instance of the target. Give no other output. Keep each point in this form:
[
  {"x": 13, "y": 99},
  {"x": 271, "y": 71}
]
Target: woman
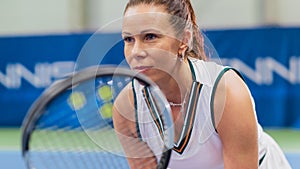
[{"x": 162, "y": 41}]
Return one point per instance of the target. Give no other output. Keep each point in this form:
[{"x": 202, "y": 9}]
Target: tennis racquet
[{"x": 90, "y": 120}]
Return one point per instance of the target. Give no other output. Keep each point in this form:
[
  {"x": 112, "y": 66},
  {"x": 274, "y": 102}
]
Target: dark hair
[{"x": 180, "y": 10}]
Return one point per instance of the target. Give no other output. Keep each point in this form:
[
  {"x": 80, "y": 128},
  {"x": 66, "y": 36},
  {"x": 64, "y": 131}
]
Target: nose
[{"x": 138, "y": 50}]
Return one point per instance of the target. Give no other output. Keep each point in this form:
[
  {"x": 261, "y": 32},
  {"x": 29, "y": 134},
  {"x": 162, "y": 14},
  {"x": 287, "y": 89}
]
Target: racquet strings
[{"x": 76, "y": 129}]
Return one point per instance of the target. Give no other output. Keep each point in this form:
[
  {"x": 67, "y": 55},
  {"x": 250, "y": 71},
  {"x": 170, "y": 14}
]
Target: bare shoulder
[
  {"x": 233, "y": 105},
  {"x": 235, "y": 85}
]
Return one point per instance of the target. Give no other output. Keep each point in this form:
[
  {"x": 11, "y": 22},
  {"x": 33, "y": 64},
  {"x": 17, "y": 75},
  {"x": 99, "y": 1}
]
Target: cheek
[
  {"x": 170, "y": 47},
  {"x": 126, "y": 53},
  {"x": 164, "y": 59}
]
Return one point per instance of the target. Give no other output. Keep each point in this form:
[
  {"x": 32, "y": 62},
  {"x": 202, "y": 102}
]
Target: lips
[{"x": 142, "y": 68}]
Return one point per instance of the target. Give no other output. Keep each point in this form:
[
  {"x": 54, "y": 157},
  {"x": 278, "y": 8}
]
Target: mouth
[{"x": 142, "y": 69}]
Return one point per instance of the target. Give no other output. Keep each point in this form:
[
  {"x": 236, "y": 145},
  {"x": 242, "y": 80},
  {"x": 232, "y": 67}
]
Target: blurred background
[
  {"x": 33, "y": 17},
  {"x": 40, "y": 41}
]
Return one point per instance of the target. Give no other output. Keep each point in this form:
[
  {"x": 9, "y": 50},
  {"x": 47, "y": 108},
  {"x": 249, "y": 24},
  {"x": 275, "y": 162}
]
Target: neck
[{"x": 176, "y": 87}]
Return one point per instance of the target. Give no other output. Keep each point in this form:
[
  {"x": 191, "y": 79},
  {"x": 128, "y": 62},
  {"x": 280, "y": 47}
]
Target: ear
[
  {"x": 186, "y": 40},
  {"x": 182, "y": 49},
  {"x": 187, "y": 37}
]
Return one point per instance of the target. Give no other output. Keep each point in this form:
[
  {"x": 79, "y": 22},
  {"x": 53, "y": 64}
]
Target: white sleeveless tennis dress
[{"x": 199, "y": 145}]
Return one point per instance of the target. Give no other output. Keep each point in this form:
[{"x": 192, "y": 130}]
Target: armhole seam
[{"x": 212, "y": 99}]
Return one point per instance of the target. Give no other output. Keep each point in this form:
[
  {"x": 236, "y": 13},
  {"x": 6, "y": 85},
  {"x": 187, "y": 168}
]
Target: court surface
[{"x": 10, "y": 139}]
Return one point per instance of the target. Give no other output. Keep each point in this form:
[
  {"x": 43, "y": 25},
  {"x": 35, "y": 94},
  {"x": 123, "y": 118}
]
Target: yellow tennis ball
[
  {"x": 77, "y": 100},
  {"x": 105, "y": 92},
  {"x": 106, "y": 110}
]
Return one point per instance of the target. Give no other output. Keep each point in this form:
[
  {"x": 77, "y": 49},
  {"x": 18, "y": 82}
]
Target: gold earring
[
  {"x": 180, "y": 56},
  {"x": 182, "y": 49}
]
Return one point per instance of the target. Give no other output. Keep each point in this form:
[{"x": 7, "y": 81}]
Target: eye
[
  {"x": 150, "y": 36},
  {"x": 128, "y": 39}
]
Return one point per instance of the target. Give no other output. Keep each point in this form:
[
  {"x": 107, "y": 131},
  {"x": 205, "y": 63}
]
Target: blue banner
[{"x": 268, "y": 58}]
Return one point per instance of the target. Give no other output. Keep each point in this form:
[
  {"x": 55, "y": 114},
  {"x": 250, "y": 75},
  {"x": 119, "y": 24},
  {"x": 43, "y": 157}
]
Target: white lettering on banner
[
  {"x": 44, "y": 74},
  {"x": 265, "y": 68}
]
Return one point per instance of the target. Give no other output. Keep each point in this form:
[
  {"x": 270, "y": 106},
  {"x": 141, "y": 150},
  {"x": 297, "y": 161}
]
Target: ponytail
[{"x": 197, "y": 48}]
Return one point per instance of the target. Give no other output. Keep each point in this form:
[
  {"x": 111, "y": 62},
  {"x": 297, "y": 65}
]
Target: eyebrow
[
  {"x": 150, "y": 30},
  {"x": 143, "y": 32},
  {"x": 126, "y": 33}
]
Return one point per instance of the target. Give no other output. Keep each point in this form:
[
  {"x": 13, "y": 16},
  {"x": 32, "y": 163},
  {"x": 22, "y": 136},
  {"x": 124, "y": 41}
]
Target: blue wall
[{"x": 269, "y": 59}]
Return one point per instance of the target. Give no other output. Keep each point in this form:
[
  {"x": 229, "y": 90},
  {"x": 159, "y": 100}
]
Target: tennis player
[{"x": 213, "y": 111}]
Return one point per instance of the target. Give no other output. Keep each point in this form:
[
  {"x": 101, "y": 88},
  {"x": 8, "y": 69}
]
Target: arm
[
  {"x": 137, "y": 152},
  {"x": 236, "y": 123}
]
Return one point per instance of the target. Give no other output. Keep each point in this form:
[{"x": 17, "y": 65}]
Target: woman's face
[{"x": 150, "y": 44}]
